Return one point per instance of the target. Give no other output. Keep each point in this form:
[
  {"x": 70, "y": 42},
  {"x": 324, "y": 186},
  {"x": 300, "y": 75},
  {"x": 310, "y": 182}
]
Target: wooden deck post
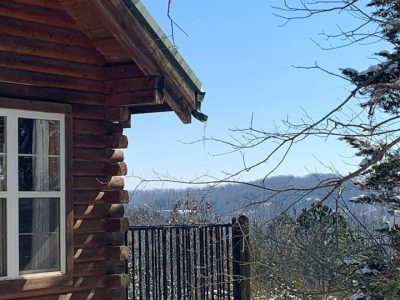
[{"x": 241, "y": 258}]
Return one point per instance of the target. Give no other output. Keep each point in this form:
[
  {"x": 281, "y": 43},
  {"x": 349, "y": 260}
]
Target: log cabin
[{"x": 72, "y": 72}]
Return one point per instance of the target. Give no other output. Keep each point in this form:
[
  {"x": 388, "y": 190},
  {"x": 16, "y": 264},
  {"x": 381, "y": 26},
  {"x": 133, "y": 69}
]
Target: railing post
[{"x": 241, "y": 258}]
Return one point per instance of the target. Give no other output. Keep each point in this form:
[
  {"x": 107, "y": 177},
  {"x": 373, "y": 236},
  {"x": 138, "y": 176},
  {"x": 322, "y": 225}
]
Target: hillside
[{"x": 228, "y": 200}]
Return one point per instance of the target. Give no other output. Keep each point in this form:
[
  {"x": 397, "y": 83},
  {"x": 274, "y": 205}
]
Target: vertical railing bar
[
  {"x": 195, "y": 263},
  {"x": 220, "y": 269},
  {"x": 188, "y": 267},
  {"x": 217, "y": 261},
  {"x": 222, "y": 263},
  {"x": 147, "y": 269},
  {"x": 127, "y": 267},
  {"x": 140, "y": 271},
  {"x": 164, "y": 267},
  {"x": 222, "y": 248},
  {"x": 171, "y": 258},
  {"x": 160, "y": 272},
  {"x": 152, "y": 285},
  {"x": 207, "y": 266},
  {"x": 153, "y": 266},
  {"x": 221, "y": 288},
  {"x": 218, "y": 258},
  {"x": 212, "y": 261},
  {"x": 158, "y": 269},
  {"x": 178, "y": 264},
  {"x": 156, "y": 259},
  {"x": 158, "y": 264},
  {"x": 154, "y": 262},
  {"x": 228, "y": 259},
  {"x": 202, "y": 271},
  {"x": 132, "y": 262},
  {"x": 184, "y": 262}
]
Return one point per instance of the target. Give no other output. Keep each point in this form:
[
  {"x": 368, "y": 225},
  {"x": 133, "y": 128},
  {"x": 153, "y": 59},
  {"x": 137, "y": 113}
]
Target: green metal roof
[{"x": 141, "y": 13}]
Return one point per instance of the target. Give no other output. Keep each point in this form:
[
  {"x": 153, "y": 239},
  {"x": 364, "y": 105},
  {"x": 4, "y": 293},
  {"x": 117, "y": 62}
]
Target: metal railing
[{"x": 184, "y": 262}]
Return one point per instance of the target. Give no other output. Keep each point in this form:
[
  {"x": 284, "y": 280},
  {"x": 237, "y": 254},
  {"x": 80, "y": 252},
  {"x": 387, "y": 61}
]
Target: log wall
[{"x": 45, "y": 57}]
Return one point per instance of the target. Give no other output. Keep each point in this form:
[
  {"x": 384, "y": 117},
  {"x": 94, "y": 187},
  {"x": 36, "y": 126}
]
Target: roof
[
  {"x": 125, "y": 34},
  {"x": 170, "y": 50}
]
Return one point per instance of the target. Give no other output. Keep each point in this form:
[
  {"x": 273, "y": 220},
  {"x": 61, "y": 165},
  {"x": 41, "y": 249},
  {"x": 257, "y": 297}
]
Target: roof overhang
[{"x": 154, "y": 54}]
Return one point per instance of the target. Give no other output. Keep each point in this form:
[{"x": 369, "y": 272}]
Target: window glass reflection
[
  {"x": 40, "y": 137},
  {"x": 39, "y": 155},
  {"x": 39, "y": 237},
  {"x": 3, "y": 244}
]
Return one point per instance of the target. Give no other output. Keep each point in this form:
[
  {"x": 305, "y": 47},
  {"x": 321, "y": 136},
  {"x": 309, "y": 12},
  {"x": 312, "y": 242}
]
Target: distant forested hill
[{"x": 228, "y": 200}]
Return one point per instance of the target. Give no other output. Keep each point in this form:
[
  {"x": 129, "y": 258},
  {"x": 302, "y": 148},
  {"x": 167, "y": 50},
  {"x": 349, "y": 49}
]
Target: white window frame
[{"x": 12, "y": 195}]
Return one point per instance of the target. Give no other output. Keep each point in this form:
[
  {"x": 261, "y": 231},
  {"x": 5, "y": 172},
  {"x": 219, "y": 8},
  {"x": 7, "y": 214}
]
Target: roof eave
[
  {"x": 164, "y": 43},
  {"x": 138, "y": 10}
]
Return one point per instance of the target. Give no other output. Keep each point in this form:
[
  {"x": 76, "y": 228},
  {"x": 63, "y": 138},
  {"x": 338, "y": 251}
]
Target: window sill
[{"x": 35, "y": 281}]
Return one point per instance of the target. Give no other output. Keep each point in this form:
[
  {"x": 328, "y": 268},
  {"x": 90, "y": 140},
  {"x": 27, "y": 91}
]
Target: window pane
[
  {"x": 39, "y": 173},
  {"x": 40, "y": 137},
  {"x": 3, "y": 150},
  {"x": 3, "y": 144},
  {"x": 39, "y": 235},
  {"x": 3, "y": 244},
  {"x": 3, "y": 172}
]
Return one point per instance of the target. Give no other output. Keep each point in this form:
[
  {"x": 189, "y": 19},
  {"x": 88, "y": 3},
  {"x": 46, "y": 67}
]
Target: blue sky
[{"x": 245, "y": 61}]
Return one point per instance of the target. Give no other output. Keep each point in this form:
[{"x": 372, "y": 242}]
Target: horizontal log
[
  {"x": 105, "y": 155},
  {"x": 126, "y": 124},
  {"x": 135, "y": 98},
  {"x": 93, "y": 294},
  {"x": 48, "y": 107},
  {"x": 145, "y": 83},
  {"x": 98, "y": 211},
  {"x": 42, "y": 15},
  {"x": 99, "y": 169},
  {"x": 89, "y": 168},
  {"x": 101, "y": 239},
  {"x": 115, "y": 253},
  {"x": 43, "y": 3},
  {"x": 116, "y": 225},
  {"x": 88, "y": 112},
  {"x": 116, "y": 141},
  {"x": 84, "y": 142},
  {"x": 50, "y": 80},
  {"x": 13, "y": 90},
  {"x": 116, "y": 169},
  {"x": 79, "y": 284},
  {"x": 44, "y": 32},
  {"x": 101, "y": 270},
  {"x": 122, "y": 71},
  {"x": 51, "y": 297},
  {"x": 51, "y": 66},
  {"x": 118, "y": 113},
  {"x": 117, "y": 281},
  {"x": 111, "y": 253},
  {"x": 99, "y": 183},
  {"x": 112, "y": 266},
  {"x": 49, "y": 50},
  {"x": 91, "y": 197},
  {"x": 97, "y": 127},
  {"x": 150, "y": 109},
  {"x": 106, "y": 225},
  {"x": 109, "y": 48}
]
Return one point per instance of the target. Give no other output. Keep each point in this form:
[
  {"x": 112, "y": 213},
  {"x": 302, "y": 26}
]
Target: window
[{"x": 32, "y": 194}]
